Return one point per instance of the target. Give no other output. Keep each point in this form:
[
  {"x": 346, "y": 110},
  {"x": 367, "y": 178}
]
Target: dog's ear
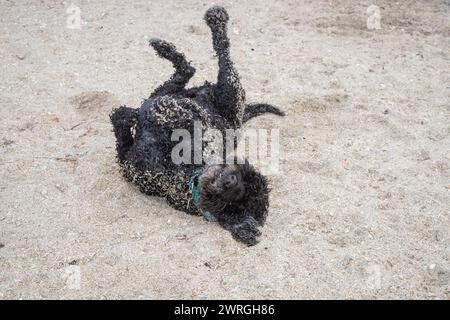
[
  {"x": 246, "y": 231},
  {"x": 247, "y": 166}
]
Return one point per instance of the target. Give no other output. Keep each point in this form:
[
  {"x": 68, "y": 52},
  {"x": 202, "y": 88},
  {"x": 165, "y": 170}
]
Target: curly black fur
[{"x": 236, "y": 195}]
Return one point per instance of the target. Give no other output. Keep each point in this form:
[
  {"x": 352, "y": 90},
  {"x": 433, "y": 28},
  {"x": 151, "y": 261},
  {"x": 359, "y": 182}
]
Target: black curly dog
[{"x": 235, "y": 195}]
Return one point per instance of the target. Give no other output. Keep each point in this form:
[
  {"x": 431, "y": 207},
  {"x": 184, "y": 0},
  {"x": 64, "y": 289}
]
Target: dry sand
[{"x": 360, "y": 209}]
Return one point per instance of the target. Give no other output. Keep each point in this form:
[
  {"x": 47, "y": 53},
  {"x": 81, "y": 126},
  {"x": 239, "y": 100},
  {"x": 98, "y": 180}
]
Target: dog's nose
[{"x": 230, "y": 181}]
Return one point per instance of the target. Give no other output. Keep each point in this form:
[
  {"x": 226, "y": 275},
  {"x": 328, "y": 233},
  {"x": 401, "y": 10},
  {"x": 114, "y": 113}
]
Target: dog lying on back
[{"x": 235, "y": 195}]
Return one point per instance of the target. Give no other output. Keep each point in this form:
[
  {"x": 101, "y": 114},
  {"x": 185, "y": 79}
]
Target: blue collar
[{"x": 193, "y": 186}]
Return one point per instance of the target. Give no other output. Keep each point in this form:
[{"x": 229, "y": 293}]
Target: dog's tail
[
  {"x": 256, "y": 109},
  {"x": 123, "y": 119}
]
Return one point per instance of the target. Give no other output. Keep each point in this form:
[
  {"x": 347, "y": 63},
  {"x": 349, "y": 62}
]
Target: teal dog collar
[{"x": 193, "y": 186}]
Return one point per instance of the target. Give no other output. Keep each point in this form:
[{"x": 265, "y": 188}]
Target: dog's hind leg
[
  {"x": 183, "y": 70},
  {"x": 230, "y": 95},
  {"x": 123, "y": 119}
]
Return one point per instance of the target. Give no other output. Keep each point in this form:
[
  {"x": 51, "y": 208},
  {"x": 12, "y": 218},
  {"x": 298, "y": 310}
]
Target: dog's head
[{"x": 232, "y": 191}]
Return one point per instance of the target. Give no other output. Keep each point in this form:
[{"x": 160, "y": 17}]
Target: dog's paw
[
  {"x": 246, "y": 236},
  {"x": 216, "y": 16},
  {"x": 163, "y": 48},
  {"x": 123, "y": 116},
  {"x": 247, "y": 231}
]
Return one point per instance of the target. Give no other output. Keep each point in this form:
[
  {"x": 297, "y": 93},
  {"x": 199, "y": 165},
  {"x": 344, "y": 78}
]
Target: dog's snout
[{"x": 230, "y": 181}]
